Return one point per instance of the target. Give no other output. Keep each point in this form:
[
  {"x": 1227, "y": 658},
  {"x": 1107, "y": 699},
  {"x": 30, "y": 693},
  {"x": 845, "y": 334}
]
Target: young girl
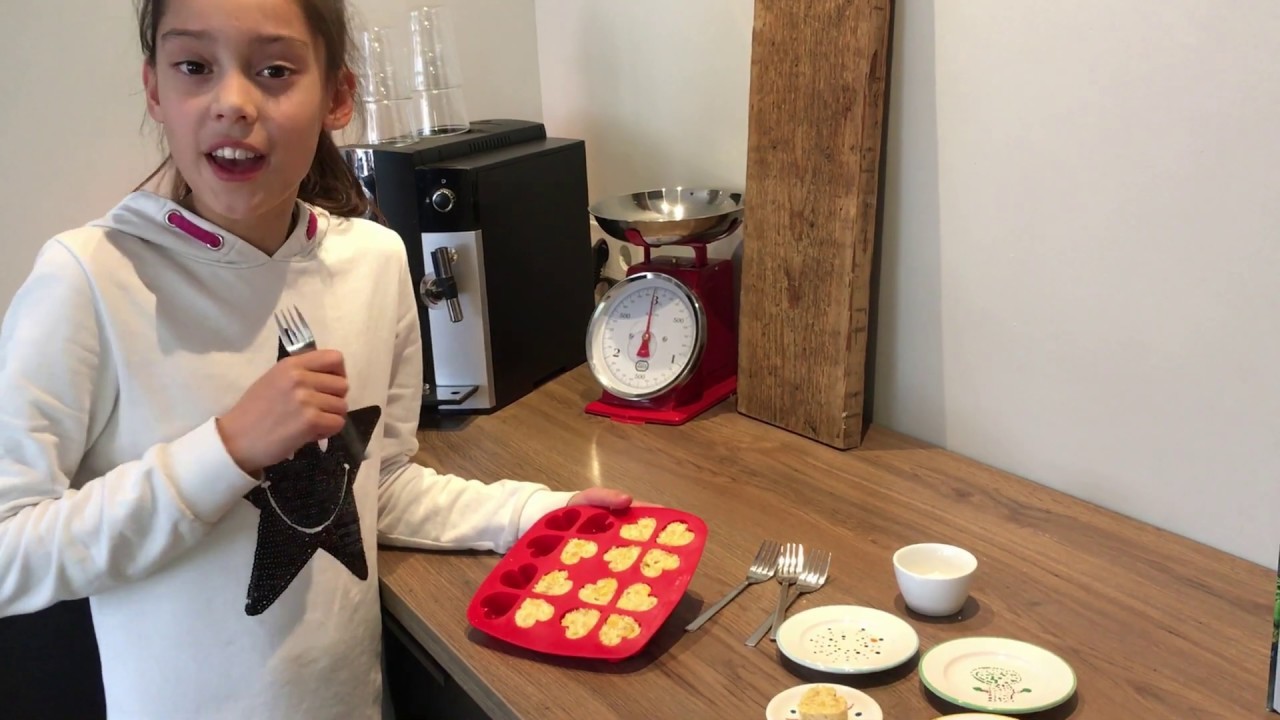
[{"x": 160, "y": 452}]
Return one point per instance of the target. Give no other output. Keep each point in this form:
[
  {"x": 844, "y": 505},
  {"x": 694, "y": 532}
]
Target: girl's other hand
[
  {"x": 301, "y": 399},
  {"x": 605, "y": 498}
]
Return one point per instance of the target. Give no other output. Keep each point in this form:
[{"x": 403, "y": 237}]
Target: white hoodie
[{"x": 214, "y": 596}]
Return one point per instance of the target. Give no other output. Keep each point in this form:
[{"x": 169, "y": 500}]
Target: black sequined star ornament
[{"x": 307, "y": 504}]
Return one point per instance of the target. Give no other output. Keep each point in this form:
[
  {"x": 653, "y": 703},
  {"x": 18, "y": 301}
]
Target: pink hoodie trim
[{"x": 177, "y": 220}]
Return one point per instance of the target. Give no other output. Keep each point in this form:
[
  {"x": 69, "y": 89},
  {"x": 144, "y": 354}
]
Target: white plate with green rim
[
  {"x": 997, "y": 675},
  {"x": 968, "y": 716},
  {"x": 847, "y": 639}
]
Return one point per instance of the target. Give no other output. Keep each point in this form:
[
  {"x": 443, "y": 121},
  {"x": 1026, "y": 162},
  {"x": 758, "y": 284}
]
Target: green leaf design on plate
[{"x": 1000, "y": 683}]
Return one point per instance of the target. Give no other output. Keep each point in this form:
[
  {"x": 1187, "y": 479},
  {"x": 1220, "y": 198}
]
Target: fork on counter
[
  {"x": 297, "y": 338},
  {"x": 817, "y": 565},
  {"x": 762, "y": 568},
  {"x": 789, "y": 563}
]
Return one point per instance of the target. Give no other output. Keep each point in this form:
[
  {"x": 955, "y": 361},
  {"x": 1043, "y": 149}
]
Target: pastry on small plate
[{"x": 822, "y": 702}]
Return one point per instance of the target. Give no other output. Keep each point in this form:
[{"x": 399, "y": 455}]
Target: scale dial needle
[{"x": 643, "y": 352}]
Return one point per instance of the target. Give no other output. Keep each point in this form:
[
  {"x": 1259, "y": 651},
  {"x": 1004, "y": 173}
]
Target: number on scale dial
[{"x": 646, "y": 336}]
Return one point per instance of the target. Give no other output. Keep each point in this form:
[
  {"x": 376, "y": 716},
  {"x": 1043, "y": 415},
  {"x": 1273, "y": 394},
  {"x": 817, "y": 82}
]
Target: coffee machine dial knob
[{"x": 443, "y": 199}]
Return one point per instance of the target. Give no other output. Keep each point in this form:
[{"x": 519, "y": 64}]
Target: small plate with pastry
[
  {"x": 590, "y": 583},
  {"x": 822, "y": 701}
]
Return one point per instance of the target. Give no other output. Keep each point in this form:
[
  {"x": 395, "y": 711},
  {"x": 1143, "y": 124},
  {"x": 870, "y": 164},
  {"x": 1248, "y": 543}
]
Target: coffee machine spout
[{"x": 443, "y": 287}]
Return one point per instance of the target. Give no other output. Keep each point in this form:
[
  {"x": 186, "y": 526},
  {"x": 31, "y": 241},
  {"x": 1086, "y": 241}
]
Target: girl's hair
[{"x": 330, "y": 183}]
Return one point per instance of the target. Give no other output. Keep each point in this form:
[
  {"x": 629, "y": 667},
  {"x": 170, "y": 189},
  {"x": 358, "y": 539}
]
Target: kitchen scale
[{"x": 663, "y": 342}]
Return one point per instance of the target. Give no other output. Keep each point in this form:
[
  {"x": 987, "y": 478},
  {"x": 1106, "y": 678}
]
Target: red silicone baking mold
[{"x": 494, "y": 606}]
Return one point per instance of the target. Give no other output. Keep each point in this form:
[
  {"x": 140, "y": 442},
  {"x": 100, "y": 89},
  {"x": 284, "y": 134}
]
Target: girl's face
[{"x": 239, "y": 88}]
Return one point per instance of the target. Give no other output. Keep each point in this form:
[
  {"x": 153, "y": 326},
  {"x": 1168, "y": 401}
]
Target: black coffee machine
[{"x": 496, "y": 227}]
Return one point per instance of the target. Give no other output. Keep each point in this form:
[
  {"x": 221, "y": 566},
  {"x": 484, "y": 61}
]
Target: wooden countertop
[{"x": 1154, "y": 625}]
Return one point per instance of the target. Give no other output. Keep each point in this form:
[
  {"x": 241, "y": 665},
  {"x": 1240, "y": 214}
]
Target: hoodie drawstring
[{"x": 210, "y": 240}]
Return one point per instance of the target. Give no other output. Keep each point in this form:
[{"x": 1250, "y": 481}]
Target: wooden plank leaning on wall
[{"x": 815, "y": 135}]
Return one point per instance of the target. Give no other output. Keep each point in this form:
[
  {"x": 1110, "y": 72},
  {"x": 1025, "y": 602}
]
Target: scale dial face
[{"x": 646, "y": 336}]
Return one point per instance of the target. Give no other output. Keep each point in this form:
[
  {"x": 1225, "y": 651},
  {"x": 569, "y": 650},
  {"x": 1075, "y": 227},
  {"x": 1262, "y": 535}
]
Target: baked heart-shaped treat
[
  {"x": 577, "y": 549},
  {"x": 656, "y": 561},
  {"x": 577, "y": 623},
  {"x": 639, "y": 530},
  {"x": 555, "y": 582},
  {"x": 618, "y": 628},
  {"x": 637, "y": 598},
  {"x": 620, "y": 558},
  {"x": 599, "y": 592},
  {"x": 533, "y": 611},
  {"x": 676, "y": 534}
]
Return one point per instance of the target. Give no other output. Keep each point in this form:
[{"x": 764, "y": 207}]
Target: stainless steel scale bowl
[{"x": 670, "y": 216}]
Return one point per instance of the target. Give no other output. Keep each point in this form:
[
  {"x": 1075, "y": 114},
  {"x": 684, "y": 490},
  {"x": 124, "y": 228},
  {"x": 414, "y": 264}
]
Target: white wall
[
  {"x": 1085, "y": 285},
  {"x": 657, "y": 90},
  {"x": 72, "y": 123},
  {"x": 1082, "y": 237}
]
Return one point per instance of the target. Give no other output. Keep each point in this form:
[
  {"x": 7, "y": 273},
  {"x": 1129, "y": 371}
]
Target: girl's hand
[
  {"x": 301, "y": 399},
  {"x": 605, "y": 498}
]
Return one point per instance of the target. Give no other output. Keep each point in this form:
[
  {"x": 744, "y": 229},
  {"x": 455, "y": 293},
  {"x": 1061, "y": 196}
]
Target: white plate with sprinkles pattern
[{"x": 847, "y": 639}]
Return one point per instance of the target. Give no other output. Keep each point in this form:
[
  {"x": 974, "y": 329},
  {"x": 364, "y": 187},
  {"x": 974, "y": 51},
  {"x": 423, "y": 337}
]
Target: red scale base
[{"x": 716, "y": 377}]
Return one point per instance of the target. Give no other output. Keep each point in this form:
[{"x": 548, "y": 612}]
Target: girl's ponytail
[{"x": 331, "y": 183}]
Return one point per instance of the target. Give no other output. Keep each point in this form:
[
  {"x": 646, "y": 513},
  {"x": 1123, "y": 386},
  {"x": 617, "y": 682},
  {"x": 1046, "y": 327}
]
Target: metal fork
[
  {"x": 295, "y": 333},
  {"x": 817, "y": 565},
  {"x": 762, "y": 568},
  {"x": 789, "y": 563}
]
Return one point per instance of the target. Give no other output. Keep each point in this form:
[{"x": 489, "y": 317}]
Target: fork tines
[
  {"x": 304, "y": 328},
  {"x": 766, "y": 559},
  {"x": 282, "y": 329},
  {"x": 293, "y": 329}
]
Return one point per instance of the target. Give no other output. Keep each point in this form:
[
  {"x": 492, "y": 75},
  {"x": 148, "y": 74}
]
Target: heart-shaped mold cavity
[
  {"x": 519, "y": 578},
  {"x": 497, "y": 605},
  {"x": 564, "y": 520},
  {"x": 596, "y": 524},
  {"x": 544, "y": 545}
]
